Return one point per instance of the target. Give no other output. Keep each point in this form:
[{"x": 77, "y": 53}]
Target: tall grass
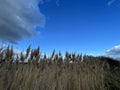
[{"x": 74, "y": 72}]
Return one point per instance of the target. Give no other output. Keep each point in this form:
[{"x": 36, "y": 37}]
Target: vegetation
[{"x": 74, "y": 72}]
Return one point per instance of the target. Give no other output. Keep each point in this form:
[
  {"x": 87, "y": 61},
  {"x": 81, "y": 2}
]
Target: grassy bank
[{"x": 74, "y": 72}]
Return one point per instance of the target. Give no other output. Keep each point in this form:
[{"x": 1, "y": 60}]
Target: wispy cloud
[
  {"x": 57, "y": 3},
  {"x": 114, "y": 52},
  {"x": 18, "y": 19},
  {"x": 114, "y": 2},
  {"x": 110, "y": 2}
]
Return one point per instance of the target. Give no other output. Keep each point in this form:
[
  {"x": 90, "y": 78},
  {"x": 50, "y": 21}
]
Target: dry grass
[{"x": 55, "y": 73}]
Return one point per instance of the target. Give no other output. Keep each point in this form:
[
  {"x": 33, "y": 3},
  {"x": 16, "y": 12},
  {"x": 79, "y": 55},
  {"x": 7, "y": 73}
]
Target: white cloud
[
  {"x": 114, "y": 52},
  {"x": 18, "y": 19},
  {"x": 3, "y": 45},
  {"x": 18, "y": 52}
]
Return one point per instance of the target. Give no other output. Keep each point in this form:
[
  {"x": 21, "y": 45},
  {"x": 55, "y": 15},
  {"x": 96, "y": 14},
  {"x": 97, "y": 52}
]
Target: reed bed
[{"x": 74, "y": 72}]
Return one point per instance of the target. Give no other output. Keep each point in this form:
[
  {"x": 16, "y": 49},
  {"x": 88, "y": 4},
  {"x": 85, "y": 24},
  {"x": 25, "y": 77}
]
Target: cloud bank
[
  {"x": 18, "y": 19},
  {"x": 114, "y": 52}
]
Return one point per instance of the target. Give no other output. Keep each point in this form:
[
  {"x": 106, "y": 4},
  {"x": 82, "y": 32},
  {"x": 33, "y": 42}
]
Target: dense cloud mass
[
  {"x": 114, "y": 52},
  {"x": 18, "y": 19}
]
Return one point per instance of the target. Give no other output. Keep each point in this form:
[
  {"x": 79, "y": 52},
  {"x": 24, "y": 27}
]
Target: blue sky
[{"x": 87, "y": 26}]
